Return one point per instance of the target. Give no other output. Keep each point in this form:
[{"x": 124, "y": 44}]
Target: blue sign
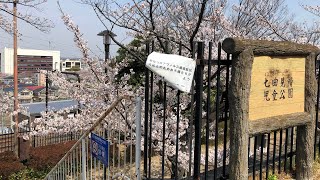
[{"x": 99, "y": 148}]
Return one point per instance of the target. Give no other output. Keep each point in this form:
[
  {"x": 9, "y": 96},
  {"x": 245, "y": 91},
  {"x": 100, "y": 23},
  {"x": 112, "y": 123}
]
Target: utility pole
[
  {"x": 15, "y": 77},
  {"x": 47, "y": 92},
  {"x": 2, "y": 124}
]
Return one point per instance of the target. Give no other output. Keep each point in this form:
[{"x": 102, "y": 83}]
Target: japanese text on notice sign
[
  {"x": 176, "y": 70},
  {"x": 99, "y": 148}
]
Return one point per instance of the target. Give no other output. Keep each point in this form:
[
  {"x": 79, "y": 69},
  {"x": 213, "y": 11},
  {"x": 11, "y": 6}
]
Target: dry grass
[
  {"x": 290, "y": 176},
  {"x": 316, "y": 169},
  {"x": 282, "y": 176}
]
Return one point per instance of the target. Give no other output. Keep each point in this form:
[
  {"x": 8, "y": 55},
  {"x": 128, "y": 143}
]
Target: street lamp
[{"x": 106, "y": 41}]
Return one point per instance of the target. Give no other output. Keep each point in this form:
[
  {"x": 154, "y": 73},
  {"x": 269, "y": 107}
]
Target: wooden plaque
[
  {"x": 277, "y": 86},
  {"x": 272, "y": 87}
]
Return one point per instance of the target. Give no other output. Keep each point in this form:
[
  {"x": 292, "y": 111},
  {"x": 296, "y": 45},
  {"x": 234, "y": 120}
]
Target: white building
[
  {"x": 30, "y": 61},
  {"x": 70, "y": 65}
]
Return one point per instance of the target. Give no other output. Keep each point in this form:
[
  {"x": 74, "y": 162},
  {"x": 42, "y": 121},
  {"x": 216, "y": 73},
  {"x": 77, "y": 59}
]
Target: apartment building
[{"x": 30, "y": 61}]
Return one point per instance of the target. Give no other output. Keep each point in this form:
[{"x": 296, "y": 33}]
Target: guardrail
[{"x": 78, "y": 162}]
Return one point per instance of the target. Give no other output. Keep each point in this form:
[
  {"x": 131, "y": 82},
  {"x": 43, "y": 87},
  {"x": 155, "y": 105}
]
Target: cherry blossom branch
[
  {"x": 194, "y": 33},
  {"x": 41, "y": 24}
]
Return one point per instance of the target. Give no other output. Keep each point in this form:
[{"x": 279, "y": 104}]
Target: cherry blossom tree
[
  {"x": 168, "y": 23},
  {"x": 97, "y": 90},
  {"x": 312, "y": 33},
  {"x": 272, "y": 21},
  {"x": 6, "y": 13},
  {"x": 6, "y": 24},
  {"x": 312, "y": 9},
  {"x": 6, "y": 103}
]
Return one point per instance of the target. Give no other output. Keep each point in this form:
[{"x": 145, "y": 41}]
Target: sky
[{"x": 59, "y": 38}]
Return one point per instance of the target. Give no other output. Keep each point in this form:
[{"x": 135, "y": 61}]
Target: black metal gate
[{"x": 201, "y": 150}]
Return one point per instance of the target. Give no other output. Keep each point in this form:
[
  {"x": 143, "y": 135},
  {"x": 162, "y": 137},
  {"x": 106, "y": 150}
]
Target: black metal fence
[
  {"x": 7, "y": 140},
  {"x": 205, "y": 143}
]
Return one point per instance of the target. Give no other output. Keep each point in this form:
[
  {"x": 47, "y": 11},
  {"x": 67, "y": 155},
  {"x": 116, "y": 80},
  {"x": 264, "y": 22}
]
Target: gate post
[
  {"x": 198, "y": 110},
  {"x": 239, "y": 113},
  {"x": 146, "y": 117},
  {"x": 306, "y": 133}
]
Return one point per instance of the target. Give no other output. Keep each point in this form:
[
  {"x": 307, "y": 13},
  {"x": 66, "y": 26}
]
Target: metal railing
[
  {"x": 78, "y": 162},
  {"x": 7, "y": 140},
  {"x": 209, "y": 126},
  {"x": 54, "y": 138}
]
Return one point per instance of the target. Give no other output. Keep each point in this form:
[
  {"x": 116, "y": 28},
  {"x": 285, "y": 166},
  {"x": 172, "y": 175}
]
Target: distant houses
[
  {"x": 31, "y": 93},
  {"x": 35, "y": 109},
  {"x": 36, "y": 79}
]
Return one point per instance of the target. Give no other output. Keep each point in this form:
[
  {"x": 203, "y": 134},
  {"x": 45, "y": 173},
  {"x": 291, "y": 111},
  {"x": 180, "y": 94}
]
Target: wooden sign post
[{"x": 273, "y": 86}]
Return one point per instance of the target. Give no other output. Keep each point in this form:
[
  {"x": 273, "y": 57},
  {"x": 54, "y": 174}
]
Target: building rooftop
[
  {"x": 32, "y": 88},
  {"x": 35, "y": 50},
  {"x": 9, "y": 89},
  {"x": 20, "y": 87},
  {"x": 37, "y": 108}
]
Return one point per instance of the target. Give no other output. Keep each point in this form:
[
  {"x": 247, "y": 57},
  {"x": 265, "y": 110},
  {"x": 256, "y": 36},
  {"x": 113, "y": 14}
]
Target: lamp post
[
  {"x": 106, "y": 41},
  {"x": 107, "y": 36}
]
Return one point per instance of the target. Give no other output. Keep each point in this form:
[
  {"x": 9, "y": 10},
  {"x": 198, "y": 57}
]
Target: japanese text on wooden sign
[
  {"x": 272, "y": 84},
  {"x": 277, "y": 86}
]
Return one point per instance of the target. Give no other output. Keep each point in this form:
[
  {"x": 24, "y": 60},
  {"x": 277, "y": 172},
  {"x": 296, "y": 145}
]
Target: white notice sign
[{"x": 176, "y": 70}]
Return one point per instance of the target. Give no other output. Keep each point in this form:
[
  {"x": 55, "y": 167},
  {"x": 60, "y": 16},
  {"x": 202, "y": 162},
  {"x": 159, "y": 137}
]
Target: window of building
[
  {"x": 25, "y": 100},
  {"x": 31, "y": 64},
  {"x": 68, "y": 64},
  {"x": 25, "y": 93}
]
